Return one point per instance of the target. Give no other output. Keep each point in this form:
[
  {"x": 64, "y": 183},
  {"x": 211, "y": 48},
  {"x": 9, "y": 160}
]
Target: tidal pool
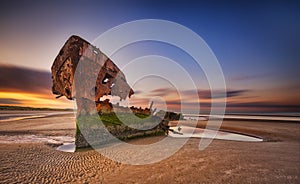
[
  {"x": 67, "y": 147},
  {"x": 186, "y": 131}
]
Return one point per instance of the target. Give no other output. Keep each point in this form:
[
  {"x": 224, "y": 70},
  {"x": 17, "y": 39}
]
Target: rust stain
[{"x": 109, "y": 79}]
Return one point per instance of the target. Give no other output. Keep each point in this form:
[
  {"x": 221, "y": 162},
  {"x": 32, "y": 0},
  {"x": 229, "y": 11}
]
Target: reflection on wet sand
[{"x": 211, "y": 134}]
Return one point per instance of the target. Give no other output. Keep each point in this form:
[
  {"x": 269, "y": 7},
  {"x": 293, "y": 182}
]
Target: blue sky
[{"x": 256, "y": 42}]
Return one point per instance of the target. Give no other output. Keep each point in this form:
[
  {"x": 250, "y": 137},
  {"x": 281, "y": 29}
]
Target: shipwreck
[{"x": 110, "y": 80}]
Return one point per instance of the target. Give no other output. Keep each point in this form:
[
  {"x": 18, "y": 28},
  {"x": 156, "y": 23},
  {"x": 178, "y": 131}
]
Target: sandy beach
[{"x": 275, "y": 160}]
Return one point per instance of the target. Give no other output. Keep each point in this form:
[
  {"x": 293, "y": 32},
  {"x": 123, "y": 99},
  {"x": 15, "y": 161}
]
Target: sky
[{"x": 257, "y": 44}]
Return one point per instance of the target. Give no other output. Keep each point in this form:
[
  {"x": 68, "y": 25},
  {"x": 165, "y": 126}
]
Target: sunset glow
[
  {"x": 34, "y": 100},
  {"x": 256, "y": 47}
]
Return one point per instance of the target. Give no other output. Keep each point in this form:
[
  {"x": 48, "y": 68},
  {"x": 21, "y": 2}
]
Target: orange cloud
[
  {"x": 33, "y": 100},
  {"x": 28, "y": 87}
]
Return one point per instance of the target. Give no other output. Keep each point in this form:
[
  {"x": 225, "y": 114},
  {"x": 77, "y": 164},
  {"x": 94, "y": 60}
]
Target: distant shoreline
[
  {"x": 247, "y": 117},
  {"x": 10, "y": 115},
  {"x": 3, "y": 107}
]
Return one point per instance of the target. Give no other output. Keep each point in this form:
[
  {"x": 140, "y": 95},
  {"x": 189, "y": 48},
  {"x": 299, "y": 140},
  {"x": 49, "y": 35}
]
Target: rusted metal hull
[
  {"x": 109, "y": 79},
  {"x": 82, "y": 72}
]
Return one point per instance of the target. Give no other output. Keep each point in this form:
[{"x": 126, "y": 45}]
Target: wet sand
[{"x": 276, "y": 160}]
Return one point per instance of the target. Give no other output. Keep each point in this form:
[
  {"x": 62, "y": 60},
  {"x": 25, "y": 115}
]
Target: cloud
[
  {"x": 206, "y": 94},
  {"x": 264, "y": 105},
  {"x": 137, "y": 92},
  {"x": 190, "y": 103},
  {"x": 20, "y": 79},
  {"x": 10, "y": 101},
  {"x": 234, "y": 93},
  {"x": 161, "y": 92},
  {"x": 237, "y": 107},
  {"x": 194, "y": 94}
]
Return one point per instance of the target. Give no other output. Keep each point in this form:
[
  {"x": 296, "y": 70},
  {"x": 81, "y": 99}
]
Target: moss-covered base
[
  {"x": 106, "y": 128},
  {"x": 97, "y": 130}
]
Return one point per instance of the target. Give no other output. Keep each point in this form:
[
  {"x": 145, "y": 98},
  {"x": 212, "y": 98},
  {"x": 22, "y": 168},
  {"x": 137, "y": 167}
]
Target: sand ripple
[{"x": 42, "y": 164}]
